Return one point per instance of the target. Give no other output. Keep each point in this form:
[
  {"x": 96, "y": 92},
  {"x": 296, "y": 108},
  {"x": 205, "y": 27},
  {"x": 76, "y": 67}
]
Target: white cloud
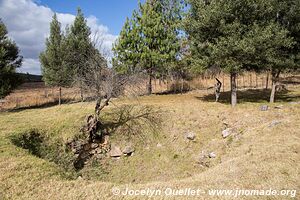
[
  {"x": 28, "y": 26},
  {"x": 30, "y": 66}
]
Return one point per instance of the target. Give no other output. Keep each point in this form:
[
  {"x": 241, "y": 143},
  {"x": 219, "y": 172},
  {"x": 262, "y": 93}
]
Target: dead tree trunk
[
  {"x": 96, "y": 137},
  {"x": 275, "y": 78},
  {"x": 233, "y": 89}
]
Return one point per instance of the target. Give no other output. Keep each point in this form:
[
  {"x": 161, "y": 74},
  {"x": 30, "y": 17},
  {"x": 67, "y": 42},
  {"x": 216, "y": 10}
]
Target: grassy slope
[{"x": 258, "y": 157}]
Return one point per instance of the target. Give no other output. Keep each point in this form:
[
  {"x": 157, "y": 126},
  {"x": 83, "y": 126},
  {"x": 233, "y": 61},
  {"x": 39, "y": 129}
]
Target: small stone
[
  {"x": 264, "y": 108},
  {"x": 212, "y": 155},
  {"x": 79, "y": 178},
  {"x": 203, "y": 159},
  {"x": 159, "y": 145},
  {"x": 92, "y": 152},
  {"x": 128, "y": 150},
  {"x": 115, "y": 152},
  {"x": 190, "y": 135},
  {"x": 226, "y": 132},
  {"x": 274, "y": 123},
  {"x": 94, "y": 145}
]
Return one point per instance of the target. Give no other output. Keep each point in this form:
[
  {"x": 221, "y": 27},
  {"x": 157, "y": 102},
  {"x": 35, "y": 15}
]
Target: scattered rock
[
  {"x": 190, "y": 135},
  {"x": 264, "y": 108},
  {"x": 212, "y": 155},
  {"x": 115, "y": 152},
  {"x": 203, "y": 159},
  {"x": 128, "y": 150},
  {"x": 274, "y": 123},
  {"x": 226, "y": 132},
  {"x": 94, "y": 145},
  {"x": 79, "y": 178},
  {"x": 159, "y": 145}
]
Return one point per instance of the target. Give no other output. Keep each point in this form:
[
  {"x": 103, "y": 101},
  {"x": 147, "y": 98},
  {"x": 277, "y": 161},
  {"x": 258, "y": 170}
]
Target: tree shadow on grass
[
  {"x": 252, "y": 95},
  {"x": 41, "y": 105}
]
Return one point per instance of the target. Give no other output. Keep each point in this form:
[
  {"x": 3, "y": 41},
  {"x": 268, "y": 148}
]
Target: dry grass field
[
  {"x": 261, "y": 153},
  {"x": 36, "y": 94}
]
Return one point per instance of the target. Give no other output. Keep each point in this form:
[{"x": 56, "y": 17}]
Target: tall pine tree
[
  {"x": 236, "y": 36},
  {"x": 148, "y": 41},
  {"x": 78, "y": 48},
  {"x": 54, "y": 69},
  {"x": 10, "y": 60}
]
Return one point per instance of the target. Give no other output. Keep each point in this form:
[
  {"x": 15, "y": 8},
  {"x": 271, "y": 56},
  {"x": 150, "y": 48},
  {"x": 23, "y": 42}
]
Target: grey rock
[
  {"x": 274, "y": 123},
  {"x": 94, "y": 145},
  {"x": 264, "y": 108},
  {"x": 203, "y": 159},
  {"x": 212, "y": 155},
  {"x": 115, "y": 152},
  {"x": 190, "y": 135},
  {"x": 128, "y": 150},
  {"x": 226, "y": 132},
  {"x": 159, "y": 145}
]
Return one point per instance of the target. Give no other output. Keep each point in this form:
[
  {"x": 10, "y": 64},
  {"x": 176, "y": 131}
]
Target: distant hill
[{"x": 30, "y": 77}]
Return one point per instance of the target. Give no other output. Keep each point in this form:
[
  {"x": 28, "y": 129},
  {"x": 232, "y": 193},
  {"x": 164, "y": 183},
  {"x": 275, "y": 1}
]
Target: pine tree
[
  {"x": 10, "y": 60},
  {"x": 54, "y": 70},
  {"x": 78, "y": 47},
  {"x": 148, "y": 41},
  {"x": 286, "y": 14},
  {"x": 126, "y": 48},
  {"x": 237, "y": 36}
]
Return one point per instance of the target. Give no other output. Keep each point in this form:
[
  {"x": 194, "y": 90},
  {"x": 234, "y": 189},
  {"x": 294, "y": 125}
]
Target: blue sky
[{"x": 111, "y": 13}]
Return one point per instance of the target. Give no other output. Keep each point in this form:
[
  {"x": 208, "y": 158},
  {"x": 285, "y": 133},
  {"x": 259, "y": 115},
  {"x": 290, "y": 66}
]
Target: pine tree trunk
[
  {"x": 267, "y": 81},
  {"x": 233, "y": 89},
  {"x": 59, "y": 96},
  {"x": 223, "y": 85},
  {"x": 275, "y": 77},
  {"x": 150, "y": 83},
  {"x": 182, "y": 84},
  {"x": 256, "y": 83},
  {"x": 81, "y": 93}
]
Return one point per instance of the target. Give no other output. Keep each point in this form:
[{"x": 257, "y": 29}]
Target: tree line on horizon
[{"x": 180, "y": 39}]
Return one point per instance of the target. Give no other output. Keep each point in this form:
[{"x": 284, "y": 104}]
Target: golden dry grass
[
  {"x": 256, "y": 157},
  {"x": 38, "y": 95}
]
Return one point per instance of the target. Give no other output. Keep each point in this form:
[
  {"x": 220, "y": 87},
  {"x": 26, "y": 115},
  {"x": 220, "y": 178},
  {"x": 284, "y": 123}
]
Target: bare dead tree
[{"x": 102, "y": 84}]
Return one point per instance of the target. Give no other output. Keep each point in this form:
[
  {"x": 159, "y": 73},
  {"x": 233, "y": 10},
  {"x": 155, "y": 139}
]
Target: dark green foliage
[
  {"x": 54, "y": 68},
  {"x": 78, "y": 45},
  {"x": 243, "y": 35},
  {"x": 149, "y": 41},
  {"x": 10, "y": 60}
]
